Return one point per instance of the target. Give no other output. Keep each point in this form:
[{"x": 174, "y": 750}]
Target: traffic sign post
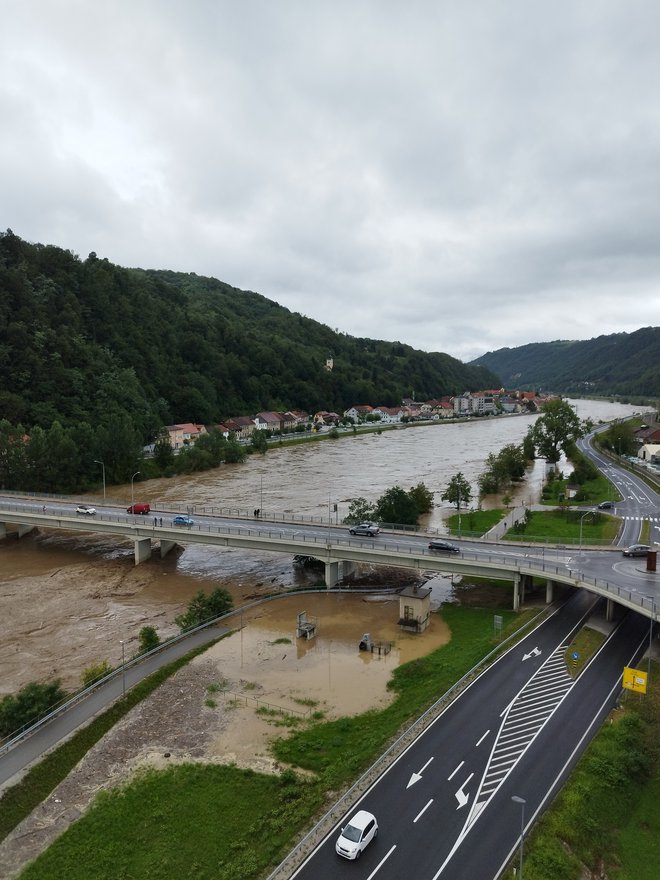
[{"x": 634, "y": 679}]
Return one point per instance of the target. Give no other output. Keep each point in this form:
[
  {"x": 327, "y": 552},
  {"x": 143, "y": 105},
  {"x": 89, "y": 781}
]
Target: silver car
[
  {"x": 368, "y": 529},
  {"x": 637, "y": 550}
]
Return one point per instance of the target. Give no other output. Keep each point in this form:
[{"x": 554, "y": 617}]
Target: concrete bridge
[{"x": 340, "y": 553}]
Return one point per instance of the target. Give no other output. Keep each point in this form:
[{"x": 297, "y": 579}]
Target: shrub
[
  {"x": 31, "y": 702},
  {"x": 96, "y": 672}
]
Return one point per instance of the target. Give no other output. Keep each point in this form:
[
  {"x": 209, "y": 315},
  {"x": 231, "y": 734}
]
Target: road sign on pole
[{"x": 634, "y": 680}]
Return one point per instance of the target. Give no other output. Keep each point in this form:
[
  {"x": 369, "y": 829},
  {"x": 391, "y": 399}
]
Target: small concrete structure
[
  {"x": 305, "y": 629},
  {"x": 415, "y": 608}
]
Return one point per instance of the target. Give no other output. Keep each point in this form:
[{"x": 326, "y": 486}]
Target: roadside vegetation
[
  {"x": 606, "y": 820},
  {"x": 564, "y": 527},
  {"x": 474, "y": 522},
  {"x": 18, "y": 801}
]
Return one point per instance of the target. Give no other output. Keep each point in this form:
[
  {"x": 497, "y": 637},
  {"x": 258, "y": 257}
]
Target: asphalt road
[{"x": 444, "y": 808}]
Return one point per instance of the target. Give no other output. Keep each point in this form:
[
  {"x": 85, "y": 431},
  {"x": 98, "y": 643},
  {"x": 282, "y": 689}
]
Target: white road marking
[
  {"x": 421, "y": 812},
  {"x": 381, "y": 863},
  {"x": 482, "y": 738},
  {"x": 449, "y": 778}
]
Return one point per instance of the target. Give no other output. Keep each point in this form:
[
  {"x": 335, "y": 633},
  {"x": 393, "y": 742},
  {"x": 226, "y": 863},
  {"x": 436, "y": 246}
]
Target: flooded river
[{"x": 69, "y": 600}]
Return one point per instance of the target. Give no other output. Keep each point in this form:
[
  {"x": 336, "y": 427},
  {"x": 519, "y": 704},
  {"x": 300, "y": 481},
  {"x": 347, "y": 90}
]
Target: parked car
[
  {"x": 636, "y": 550},
  {"x": 357, "y": 835},
  {"x": 368, "y": 529},
  {"x": 139, "y": 507},
  {"x": 445, "y": 546},
  {"x": 606, "y": 505},
  {"x": 86, "y": 510},
  {"x": 182, "y": 520}
]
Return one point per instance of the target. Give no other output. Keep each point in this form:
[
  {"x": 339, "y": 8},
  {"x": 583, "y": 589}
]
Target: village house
[
  {"x": 269, "y": 421},
  {"x": 184, "y": 435},
  {"x": 358, "y": 413},
  {"x": 388, "y": 414},
  {"x": 241, "y": 427}
]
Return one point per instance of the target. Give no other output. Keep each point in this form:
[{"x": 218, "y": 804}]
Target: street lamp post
[
  {"x": 522, "y": 802},
  {"x": 652, "y": 598},
  {"x": 588, "y": 513},
  {"x": 132, "y": 496},
  {"x": 96, "y": 461},
  {"x": 123, "y": 670}
]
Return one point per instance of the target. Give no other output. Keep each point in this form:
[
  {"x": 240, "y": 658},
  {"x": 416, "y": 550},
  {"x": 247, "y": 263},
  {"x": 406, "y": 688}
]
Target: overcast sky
[{"x": 460, "y": 175}]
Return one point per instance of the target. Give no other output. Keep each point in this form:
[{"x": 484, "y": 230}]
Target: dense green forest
[
  {"x": 95, "y": 358},
  {"x": 626, "y": 364}
]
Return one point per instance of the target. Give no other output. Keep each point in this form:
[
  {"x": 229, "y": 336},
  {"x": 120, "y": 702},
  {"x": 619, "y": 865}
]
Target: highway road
[{"x": 444, "y": 807}]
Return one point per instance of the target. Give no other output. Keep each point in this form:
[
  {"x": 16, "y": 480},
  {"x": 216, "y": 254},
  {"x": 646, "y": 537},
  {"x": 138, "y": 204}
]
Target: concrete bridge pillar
[
  {"x": 347, "y": 568},
  {"x": 24, "y": 530},
  {"x": 165, "y": 547},
  {"x": 549, "y": 591},
  {"x": 142, "y": 550},
  {"x": 331, "y": 574},
  {"x": 3, "y": 531},
  {"x": 609, "y": 610},
  {"x": 516, "y": 592}
]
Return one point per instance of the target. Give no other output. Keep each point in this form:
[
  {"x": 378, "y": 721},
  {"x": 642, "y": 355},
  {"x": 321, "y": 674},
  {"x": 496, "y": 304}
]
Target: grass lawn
[
  {"x": 475, "y": 522},
  {"x": 563, "y": 527}
]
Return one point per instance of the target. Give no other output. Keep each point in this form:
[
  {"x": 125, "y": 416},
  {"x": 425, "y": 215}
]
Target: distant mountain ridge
[{"x": 619, "y": 364}]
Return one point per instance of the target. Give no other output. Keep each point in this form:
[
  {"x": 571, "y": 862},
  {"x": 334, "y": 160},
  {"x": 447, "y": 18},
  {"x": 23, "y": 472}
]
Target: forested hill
[
  {"x": 86, "y": 341},
  {"x": 622, "y": 363}
]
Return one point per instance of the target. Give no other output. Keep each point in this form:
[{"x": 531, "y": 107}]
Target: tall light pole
[
  {"x": 96, "y": 461},
  {"x": 123, "y": 670},
  {"x": 652, "y": 598},
  {"x": 132, "y": 496},
  {"x": 588, "y": 513},
  {"x": 522, "y": 803}
]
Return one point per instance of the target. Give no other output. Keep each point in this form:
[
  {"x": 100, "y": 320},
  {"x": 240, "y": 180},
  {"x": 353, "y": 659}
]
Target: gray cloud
[{"x": 458, "y": 176}]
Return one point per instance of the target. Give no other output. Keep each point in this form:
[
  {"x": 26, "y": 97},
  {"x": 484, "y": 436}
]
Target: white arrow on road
[
  {"x": 535, "y": 652},
  {"x": 461, "y": 797},
  {"x": 417, "y": 776}
]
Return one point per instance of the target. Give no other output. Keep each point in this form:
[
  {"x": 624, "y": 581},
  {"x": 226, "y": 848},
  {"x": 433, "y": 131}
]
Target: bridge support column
[
  {"x": 549, "y": 591},
  {"x": 165, "y": 547},
  {"x": 331, "y": 574},
  {"x": 609, "y": 610},
  {"x": 24, "y": 530},
  {"x": 516, "y": 592},
  {"x": 347, "y": 568},
  {"x": 3, "y": 531},
  {"x": 142, "y": 550}
]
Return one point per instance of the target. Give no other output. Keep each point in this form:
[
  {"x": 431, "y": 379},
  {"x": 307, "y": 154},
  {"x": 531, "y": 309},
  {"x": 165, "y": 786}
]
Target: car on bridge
[
  {"x": 637, "y": 550},
  {"x": 182, "y": 520},
  {"x": 357, "y": 835},
  {"x": 444, "y": 546},
  {"x": 368, "y": 529},
  {"x": 86, "y": 510}
]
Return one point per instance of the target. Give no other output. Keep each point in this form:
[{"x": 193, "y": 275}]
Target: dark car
[
  {"x": 606, "y": 505},
  {"x": 368, "y": 529},
  {"x": 182, "y": 520},
  {"x": 636, "y": 550},
  {"x": 444, "y": 546}
]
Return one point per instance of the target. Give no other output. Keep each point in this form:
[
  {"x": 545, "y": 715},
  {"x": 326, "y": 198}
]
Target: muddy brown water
[{"x": 67, "y": 601}]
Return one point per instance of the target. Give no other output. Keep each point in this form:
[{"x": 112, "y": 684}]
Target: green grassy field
[
  {"x": 475, "y": 522},
  {"x": 563, "y": 527}
]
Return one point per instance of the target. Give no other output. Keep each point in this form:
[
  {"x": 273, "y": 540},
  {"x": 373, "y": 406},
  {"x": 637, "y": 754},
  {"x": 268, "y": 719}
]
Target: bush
[
  {"x": 96, "y": 672},
  {"x": 30, "y": 703},
  {"x": 148, "y": 639},
  {"x": 202, "y": 608}
]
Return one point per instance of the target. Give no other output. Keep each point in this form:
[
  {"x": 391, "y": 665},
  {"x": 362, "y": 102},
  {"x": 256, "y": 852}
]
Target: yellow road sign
[{"x": 634, "y": 679}]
